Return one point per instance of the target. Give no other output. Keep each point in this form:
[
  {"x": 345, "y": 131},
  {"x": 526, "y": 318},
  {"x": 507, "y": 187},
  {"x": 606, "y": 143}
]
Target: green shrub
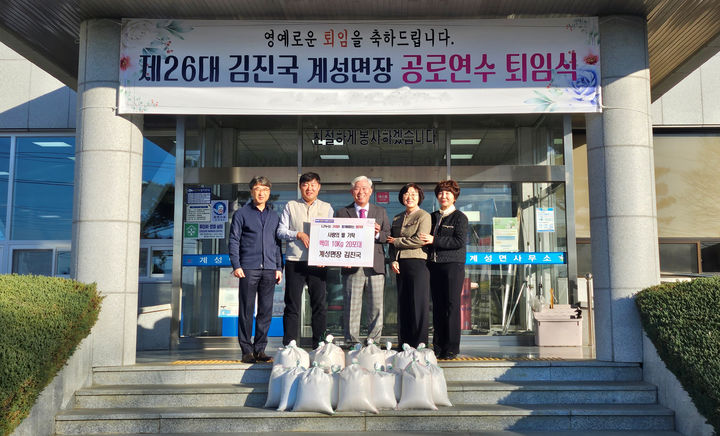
[
  {"x": 42, "y": 321},
  {"x": 683, "y": 322}
]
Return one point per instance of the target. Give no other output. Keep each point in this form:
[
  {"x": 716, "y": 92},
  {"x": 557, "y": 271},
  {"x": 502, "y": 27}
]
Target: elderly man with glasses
[{"x": 368, "y": 283}]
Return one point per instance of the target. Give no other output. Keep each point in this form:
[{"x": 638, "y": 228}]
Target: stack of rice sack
[
  {"x": 420, "y": 382},
  {"x": 374, "y": 379}
]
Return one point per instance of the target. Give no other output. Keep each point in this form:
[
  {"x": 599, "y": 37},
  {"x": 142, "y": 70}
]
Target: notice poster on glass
[
  {"x": 197, "y": 213},
  {"x": 505, "y": 234},
  {"x": 204, "y": 231},
  {"x": 342, "y": 242},
  {"x": 198, "y": 195},
  {"x": 545, "y": 219},
  {"x": 219, "y": 211},
  {"x": 227, "y": 303}
]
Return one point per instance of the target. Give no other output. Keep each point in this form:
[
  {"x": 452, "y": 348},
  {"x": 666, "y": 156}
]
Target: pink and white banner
[{"x": 386, "y": 67}]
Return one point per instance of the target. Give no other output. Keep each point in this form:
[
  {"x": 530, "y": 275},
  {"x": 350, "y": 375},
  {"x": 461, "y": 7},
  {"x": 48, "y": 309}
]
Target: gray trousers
[{"x": 368, "y": 285}]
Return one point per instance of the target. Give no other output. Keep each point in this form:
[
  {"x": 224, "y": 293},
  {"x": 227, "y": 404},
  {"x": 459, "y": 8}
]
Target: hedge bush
[
  {"x": 42, "y": 320},
  {"x": 683, "y": 322}
]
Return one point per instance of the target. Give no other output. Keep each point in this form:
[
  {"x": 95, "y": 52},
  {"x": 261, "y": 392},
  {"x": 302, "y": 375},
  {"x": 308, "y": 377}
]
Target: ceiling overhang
[{"x": 682, "y": 34}]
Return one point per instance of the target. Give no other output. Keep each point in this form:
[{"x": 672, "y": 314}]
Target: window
[
  {"x": 161, "y": 263},
  {"x": 143, "y": 266},
  {"x": 4, "y": 177},
  {"x": 62, "y": 263},
  {"x": 43, "y": 188},
  {"x": 32, "y": 261},
  {"x": 678, "y": 258},
  {"x": 710, "y": 255},
  {"x": 158, "y": 188}
]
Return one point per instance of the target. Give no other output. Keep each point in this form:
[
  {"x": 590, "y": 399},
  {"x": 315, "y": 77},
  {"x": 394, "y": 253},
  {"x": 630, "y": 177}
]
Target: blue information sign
[
  {"x": 473, "y": 258},
  {"x": 519, "y": 258},
  {"x": 206, "y": 260}
]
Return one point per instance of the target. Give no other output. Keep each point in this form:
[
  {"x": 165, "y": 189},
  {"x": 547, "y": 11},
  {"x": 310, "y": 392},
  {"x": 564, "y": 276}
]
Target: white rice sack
[
  {"x": 335, "y": 393},
  {"x": 417, "y": 390},
  {"x": 275, "y": 386},
  {"x": 314, "y": 391},
  {"x": 389, "y": 354},
  {"x": 425, "y": 355},
  {"x": 356, "y": 390},
  {"x": 398, "y": 382},
  {"x": 289, "y": 380},
  {"x": 292, "y": 356},
  {"x": 370, "y": 356},
  {"x": 439, "y": 386},
  {"x": 352, "y": 354},
  {"x": 384, "y": 390},
  {"x": 328, "y": 354},
  {"x": 403, "y": 358}
]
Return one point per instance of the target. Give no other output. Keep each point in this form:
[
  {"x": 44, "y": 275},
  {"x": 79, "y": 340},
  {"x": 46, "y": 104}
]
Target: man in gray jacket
[
  {"x": 367, "y": 282},
  {"x": 295, "y": 228}
]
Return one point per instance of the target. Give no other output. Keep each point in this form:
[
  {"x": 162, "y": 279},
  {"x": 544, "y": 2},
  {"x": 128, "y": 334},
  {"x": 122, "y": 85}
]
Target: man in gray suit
[{"x": 369, "y": 282}]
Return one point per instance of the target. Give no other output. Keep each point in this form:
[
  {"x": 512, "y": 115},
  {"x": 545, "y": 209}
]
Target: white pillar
[
  {"x": 621, "y": 173},
  {"x": 108, "y": 177}
]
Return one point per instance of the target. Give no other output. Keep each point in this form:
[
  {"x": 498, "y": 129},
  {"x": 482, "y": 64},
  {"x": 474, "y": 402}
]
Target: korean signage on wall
[{"x": 323, "y": 67}]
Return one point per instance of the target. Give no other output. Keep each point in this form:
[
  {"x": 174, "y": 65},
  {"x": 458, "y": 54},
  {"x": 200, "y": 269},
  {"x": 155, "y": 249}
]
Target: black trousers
[
  {"x": 260, "y": 282},
  {"x": 446, "y": 281},
  {"x": 297, "y": 275},
  {"x": 413, "y": 302}
]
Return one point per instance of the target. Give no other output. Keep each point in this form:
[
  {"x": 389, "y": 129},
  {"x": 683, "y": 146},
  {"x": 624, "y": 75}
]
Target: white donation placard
[{"x": 342, "y": 242}]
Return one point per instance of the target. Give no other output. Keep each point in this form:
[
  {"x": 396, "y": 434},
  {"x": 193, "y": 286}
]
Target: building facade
[{"x": 619, "y": 192}]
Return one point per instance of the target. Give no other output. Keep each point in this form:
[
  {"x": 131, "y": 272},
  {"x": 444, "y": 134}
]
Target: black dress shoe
[
  {"x": 262, "y": 357},
  {"x": 248, "y": 358},
  {"x": 450, "y": 356}
]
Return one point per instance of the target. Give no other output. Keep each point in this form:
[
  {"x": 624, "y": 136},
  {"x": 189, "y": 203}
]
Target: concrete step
[
  {"x": 477, "y": 392},
  {"x": 433, "y": 433},
  {"x": 500, "y": 370},
  {"x": 460, "y": 418}
]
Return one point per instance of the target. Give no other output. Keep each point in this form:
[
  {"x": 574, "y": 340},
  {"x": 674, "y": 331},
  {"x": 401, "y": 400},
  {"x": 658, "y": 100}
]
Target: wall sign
[{"x": 359, "y": 67}]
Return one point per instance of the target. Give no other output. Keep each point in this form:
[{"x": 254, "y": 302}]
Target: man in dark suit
[{"x": 369, "y": 282}]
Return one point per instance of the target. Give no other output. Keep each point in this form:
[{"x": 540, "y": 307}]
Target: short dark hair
[
  {"x": 448, "y": 185},
  {"x": 309, "y": 177},
  {"x": 421, "y": 194},
  {"x": 260, "y": 180}
]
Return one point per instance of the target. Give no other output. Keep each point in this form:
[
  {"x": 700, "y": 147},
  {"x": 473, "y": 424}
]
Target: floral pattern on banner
[
  {"x": 154, "y": 38},
  {"x": 585, "y": 88}
]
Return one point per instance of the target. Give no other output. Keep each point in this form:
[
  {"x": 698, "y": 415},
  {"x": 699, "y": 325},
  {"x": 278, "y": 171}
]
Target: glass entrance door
[{"x": 507, "y": 167}]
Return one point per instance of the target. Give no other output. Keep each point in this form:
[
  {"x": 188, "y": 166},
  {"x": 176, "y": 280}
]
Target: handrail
[{"x": 591, "y": 314}]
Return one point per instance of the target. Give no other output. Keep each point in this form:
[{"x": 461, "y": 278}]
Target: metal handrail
[{"x": 591, "y": 314}]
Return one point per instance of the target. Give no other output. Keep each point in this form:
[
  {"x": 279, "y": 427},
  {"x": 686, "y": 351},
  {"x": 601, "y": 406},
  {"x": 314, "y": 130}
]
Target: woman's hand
[
  {"x": 426, "y": 238},
  {"x": 390, "y": 240},
  {"x": 395, "y": 266}
]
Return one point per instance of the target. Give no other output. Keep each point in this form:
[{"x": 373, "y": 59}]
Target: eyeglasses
[
  {"x": 261, "y": 189},
  {"x": 411, "y": 194}
]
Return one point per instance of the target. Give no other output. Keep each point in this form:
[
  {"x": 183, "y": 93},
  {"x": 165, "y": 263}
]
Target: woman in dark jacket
[{"x": 446, "y": 262}]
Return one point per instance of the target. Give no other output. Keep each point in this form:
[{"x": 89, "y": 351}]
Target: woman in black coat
[{"x": 446, "y": 262}]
